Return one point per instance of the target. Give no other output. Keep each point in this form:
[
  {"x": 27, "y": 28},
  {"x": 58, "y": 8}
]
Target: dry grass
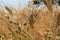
[{"x": 27, "y": 24}]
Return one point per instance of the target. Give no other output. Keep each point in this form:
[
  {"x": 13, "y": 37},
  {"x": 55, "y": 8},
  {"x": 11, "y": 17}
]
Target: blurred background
[{"x": 14, "y": 3}]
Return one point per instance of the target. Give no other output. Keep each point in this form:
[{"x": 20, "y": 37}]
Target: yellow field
[{"x": 27, "y": 24}]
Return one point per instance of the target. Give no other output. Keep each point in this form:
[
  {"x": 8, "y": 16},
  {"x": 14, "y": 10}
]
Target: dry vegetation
[{"x": 30, "y": 24}]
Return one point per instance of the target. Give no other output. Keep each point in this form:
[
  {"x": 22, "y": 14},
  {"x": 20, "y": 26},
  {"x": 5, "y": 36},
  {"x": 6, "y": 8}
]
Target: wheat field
[{"x": 30, "y": 24}]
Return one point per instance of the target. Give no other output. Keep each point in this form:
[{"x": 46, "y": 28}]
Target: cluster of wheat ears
[{"x": 30, "y": 24}]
